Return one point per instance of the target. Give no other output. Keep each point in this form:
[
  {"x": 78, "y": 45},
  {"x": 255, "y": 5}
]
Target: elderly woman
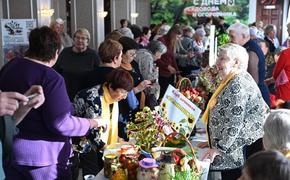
[
  {"x": 42, "y": 147},
  {"x": 127, "y": 111},
  {"x": 77, "y": 62},
  {"x": 184, "y": 54},
  {"x": 102, "y": 101},
  {"x": 270, "y": 36},
  {"x": 266, "y": 165},
  {"x": 235, "y": 113},
  {"x": 146, "y": 60},
  {"x": 58, "y": 26},
  {"x": 277, "y": 131}
]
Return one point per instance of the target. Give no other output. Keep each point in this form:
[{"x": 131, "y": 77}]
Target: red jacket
[
  {"x": 283, "y": 91},
  {"x": 166, "y": 59}
]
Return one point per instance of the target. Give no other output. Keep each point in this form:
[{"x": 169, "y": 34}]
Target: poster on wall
[
  {"x": 180, "y": 111},
  {"x": 14, "y": 35},
  {"x": 189, "y": 11}
]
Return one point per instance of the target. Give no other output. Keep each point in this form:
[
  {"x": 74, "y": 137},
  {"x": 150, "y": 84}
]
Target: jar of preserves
[{"x": 110, "y": 160}]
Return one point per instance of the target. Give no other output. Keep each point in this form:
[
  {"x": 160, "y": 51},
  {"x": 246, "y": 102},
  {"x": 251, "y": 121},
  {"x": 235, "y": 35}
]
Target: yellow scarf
[
  {"x": 128, "y": 67},
  {"x": 111, "y": 135},
  {"x": 286, "y": 153},
  {"x": 213, "y": 100}
]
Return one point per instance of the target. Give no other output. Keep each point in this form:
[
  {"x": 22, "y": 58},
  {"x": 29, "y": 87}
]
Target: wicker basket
[
  {"x": 193, "y": 163},
  {"x": 183, "y": 83}
]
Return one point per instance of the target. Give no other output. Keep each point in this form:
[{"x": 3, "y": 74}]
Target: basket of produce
[
  {"x": 183, "y": 83},
  {"x": 176, "y": 162}
]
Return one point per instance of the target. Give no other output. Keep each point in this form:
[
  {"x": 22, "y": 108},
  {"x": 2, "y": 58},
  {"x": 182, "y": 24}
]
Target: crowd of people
[{"x": 69, "y": 101}]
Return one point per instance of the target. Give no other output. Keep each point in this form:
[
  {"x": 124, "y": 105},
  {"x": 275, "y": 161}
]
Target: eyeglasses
[
  {"x": 81, "y": 38},
  {"x": 132, "y": 54}
]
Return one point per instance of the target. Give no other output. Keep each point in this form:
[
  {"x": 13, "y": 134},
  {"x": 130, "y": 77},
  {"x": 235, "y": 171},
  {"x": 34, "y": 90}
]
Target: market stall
[
  {"x": 200, "y": 137},
  {"x": 160, "y": 145}
]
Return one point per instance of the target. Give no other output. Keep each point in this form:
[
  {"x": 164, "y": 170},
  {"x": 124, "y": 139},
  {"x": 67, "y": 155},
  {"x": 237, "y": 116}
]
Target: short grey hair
[
  {"x": 240, "y": 28},
  {"x": 156, "y": 46},
  {"x": 269, "y": 28},
  {"x": 83, "y": 31},
  {"x": 236, "y": 52},
  {"x": 277, "y": 130}
]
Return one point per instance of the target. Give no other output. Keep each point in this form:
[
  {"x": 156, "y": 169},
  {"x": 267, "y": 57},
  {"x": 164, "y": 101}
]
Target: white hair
[
  {"x": 240, "y": 28},
  {"x": 277, "y": 130},
  {"x": 236, "y": 52}
]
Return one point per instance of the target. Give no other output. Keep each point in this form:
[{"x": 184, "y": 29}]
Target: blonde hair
[{"x": 236, "y": 52}]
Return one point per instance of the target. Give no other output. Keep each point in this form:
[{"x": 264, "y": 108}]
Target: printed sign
[
  {"x": 208, "y": 8},
  {"x": 15, "y": 34},
  {"x": 180, "y": 110}
]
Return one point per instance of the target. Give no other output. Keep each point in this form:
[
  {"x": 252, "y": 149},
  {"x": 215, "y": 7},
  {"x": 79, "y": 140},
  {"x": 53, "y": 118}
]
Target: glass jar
[
  {"x": 109, "y": 162},
  {"x": 167, "y": 167}
]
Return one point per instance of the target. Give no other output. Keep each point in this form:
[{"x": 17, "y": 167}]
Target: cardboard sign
[{"x": 180, "y": 111}]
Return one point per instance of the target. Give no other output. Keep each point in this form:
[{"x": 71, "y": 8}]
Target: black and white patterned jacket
[{"x": 236, "y": 120}]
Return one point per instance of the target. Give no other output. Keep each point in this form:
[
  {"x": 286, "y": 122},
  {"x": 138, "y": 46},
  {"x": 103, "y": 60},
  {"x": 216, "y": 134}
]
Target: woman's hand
[
  {"x": 36, "y": 101},
  {"x": 121, "y": 140},
  {"x": 9, "y": 102},
  {"x": 171, "y": 69},
  {"x": 142, "y": 85},
  {"x": 190, "y": 55},
  {"x": 269, "y": 81},
  {"x": 26, "y": 103},
  {"x": 203, "y": 145},
  {"x": 98, "y": 123},
  {"x": 210, "y": 154}
]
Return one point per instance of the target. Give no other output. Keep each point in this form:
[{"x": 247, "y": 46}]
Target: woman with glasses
[
  {"x": 126, "y": 111},
  {"x": 77, "y": 62}
]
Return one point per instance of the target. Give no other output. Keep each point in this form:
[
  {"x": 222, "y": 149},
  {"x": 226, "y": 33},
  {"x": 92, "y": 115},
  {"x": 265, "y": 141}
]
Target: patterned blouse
[
  {"x": 236, "y": 120},
  {"x": 145, "y": 60},
  {"x": 89, "y": 103}
]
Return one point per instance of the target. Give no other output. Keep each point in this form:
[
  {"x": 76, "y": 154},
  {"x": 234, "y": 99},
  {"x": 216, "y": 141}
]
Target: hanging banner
[
  {"x": 186, "y": 11},
  {"x": 211, "y": 8},
  {"x": 180, "y": 111},
  {"x": 14, "y": 35}
]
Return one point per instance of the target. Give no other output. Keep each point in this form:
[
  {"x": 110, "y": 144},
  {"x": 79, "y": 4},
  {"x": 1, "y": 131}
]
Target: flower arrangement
[
  {"x": 210, "y": 79},
  {"x": 150, "y": 124}
]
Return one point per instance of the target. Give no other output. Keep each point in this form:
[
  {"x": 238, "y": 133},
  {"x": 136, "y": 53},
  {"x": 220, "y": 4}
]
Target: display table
[
  {"x": 199, "y": 137},
  {"x": 205, "y": 164}
]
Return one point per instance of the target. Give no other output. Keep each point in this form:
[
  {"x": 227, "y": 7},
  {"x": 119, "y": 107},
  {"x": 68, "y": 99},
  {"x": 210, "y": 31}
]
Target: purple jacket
[{"x": 44, "y": 134}]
